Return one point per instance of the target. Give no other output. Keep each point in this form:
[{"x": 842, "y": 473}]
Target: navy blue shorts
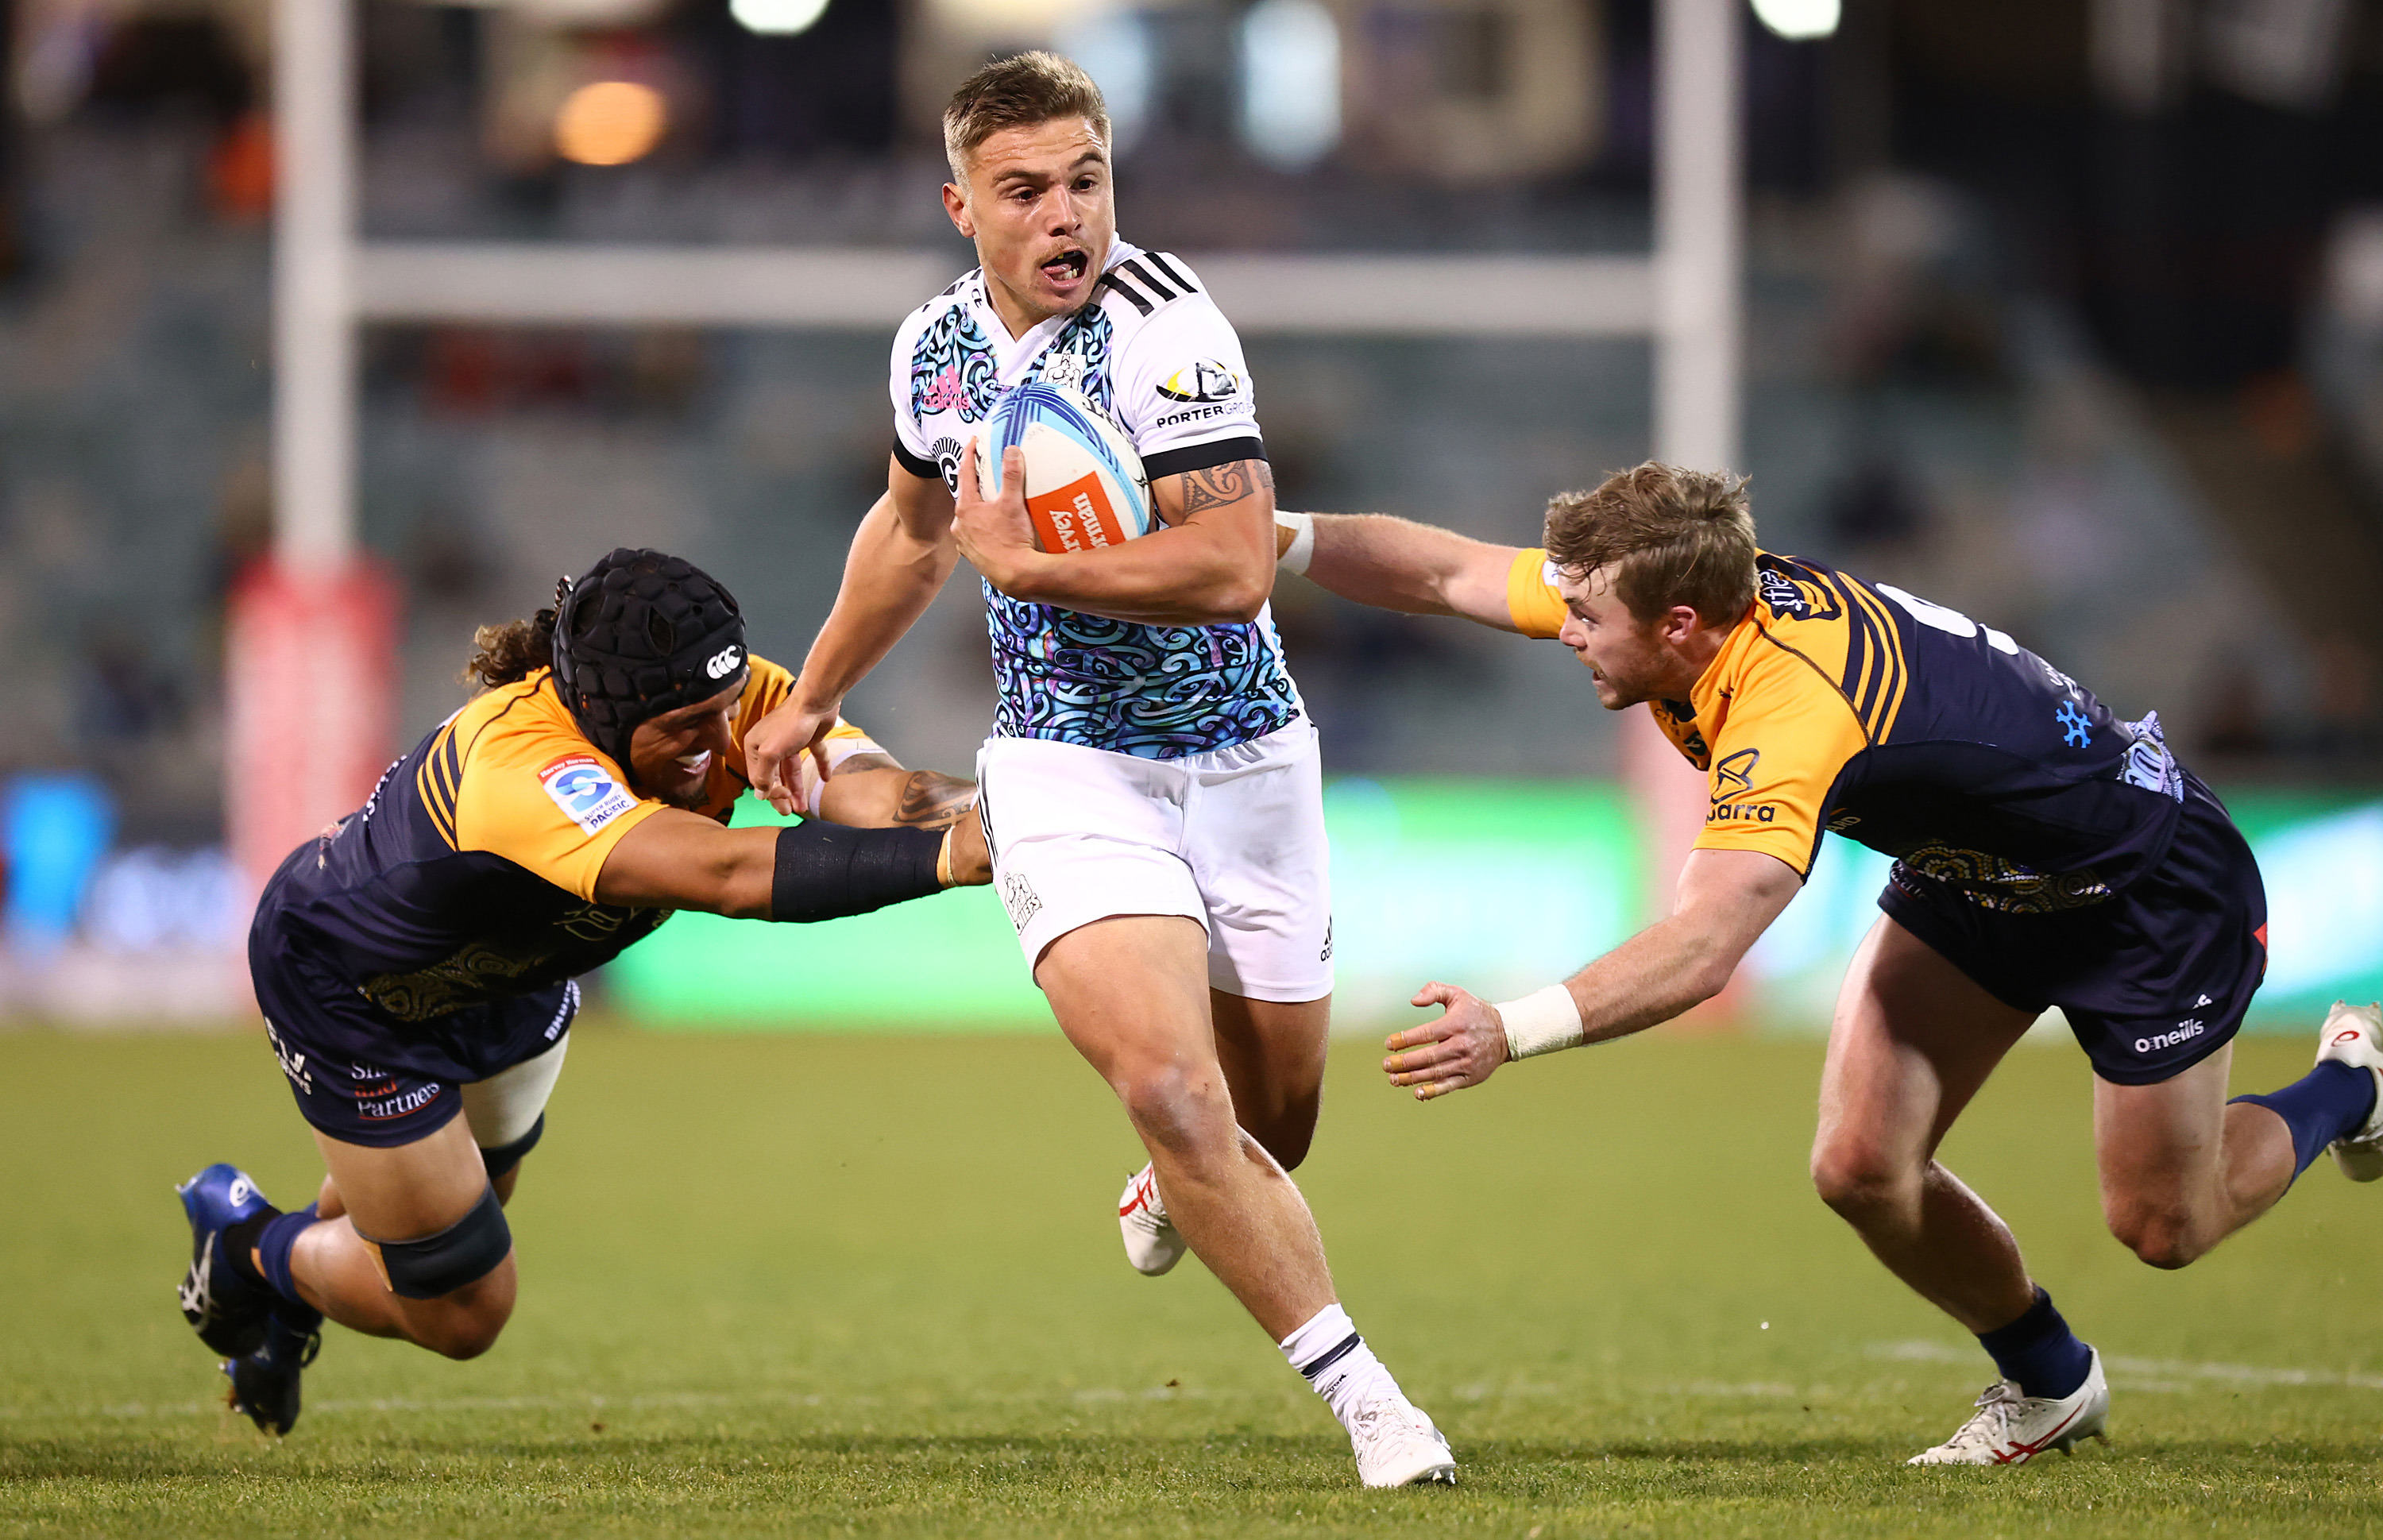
[
  {"x": 362, "y": 1077},
  {"x": 2152, "y": 980}
]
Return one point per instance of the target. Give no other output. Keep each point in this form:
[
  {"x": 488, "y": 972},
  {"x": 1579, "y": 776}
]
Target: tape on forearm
[
  {"x": 1302, "y": 549},
  {"x": 826, "y": 872},
  {"x": 943, "y": 859},
  {"x": 1542, "y": 1022}
]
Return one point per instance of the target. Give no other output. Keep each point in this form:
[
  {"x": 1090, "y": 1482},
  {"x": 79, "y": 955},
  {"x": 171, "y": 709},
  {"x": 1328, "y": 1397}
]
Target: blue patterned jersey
[{"x": 1154, "y": 353}]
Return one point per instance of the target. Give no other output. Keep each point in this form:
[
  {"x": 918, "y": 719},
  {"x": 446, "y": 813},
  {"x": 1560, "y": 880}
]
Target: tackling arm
[
  {"x": 1415, "y": 569},
  {"x": 1212, "y": 565},
  {"x": 816, "y": 871},
  {"x": 900, "y": 558},
  {"x": 1727, "y": 899}
]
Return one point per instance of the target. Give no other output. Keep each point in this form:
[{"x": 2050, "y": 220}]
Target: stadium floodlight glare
[
  {"x": 777, "y": 18},
  {"x": 1290, "y": 83},
  {"x": 610, "y": 123},
  {"x": 1799, "y": 21}
]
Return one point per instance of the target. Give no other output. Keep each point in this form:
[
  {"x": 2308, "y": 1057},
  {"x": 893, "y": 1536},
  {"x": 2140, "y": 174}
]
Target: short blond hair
[
  {"x": 1668, "y": 537},
  {"x": 1018, "y": 92}
]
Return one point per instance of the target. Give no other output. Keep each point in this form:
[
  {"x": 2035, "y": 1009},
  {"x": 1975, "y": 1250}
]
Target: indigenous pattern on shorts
[{"x": 1154, "y": 692}]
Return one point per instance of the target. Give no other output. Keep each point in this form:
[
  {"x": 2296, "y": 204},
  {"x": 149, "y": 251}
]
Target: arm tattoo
[
  {"x": 1219, "y": 485},
  {"x": 933, "y": 800}
]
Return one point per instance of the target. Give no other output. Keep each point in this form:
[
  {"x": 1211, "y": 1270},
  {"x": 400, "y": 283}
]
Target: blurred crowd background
[{"x": 2065, "y": 313}]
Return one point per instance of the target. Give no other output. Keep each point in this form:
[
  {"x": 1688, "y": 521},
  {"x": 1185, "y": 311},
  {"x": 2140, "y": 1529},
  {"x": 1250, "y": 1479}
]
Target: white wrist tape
[
  {"x": 1303, "y": 541},
  {"x": 1542, "y": 1022}
]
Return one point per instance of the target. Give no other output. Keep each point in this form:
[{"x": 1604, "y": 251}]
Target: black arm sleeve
[{"x": 826, "y": 870}]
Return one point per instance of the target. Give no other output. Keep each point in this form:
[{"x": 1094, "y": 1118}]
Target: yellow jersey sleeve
[
  {"x": 765, "y": 691},
  {"x": 1786, "y": 736},
  {"x": 1532, "y": 601},
  {"x": 545, "y": 798}
]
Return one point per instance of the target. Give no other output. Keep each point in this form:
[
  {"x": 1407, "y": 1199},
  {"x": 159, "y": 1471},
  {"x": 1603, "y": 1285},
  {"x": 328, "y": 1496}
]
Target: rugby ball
[{"x": 1085, "y": 488}]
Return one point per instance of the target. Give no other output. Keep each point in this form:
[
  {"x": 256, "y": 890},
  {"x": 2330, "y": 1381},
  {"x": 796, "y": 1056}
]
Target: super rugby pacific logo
[{"x": 584, "y": 788}]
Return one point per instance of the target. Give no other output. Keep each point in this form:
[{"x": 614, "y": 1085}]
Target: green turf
[{"x": 831, "y": 1285}]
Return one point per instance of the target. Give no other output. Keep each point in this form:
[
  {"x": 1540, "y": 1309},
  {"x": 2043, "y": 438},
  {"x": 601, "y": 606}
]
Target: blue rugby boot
[
  {"x": 264, "y": 1383},
  {"x": 221, "y": 1302}
]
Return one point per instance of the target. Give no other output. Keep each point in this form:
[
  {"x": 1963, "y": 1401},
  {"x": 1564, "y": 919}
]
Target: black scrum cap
[{"x": 639, "y": 634}]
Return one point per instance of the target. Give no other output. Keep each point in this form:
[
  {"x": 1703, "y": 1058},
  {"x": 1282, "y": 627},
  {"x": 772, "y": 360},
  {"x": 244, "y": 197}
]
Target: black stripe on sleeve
[
  {"x": 1200, "y": 457},
  {"x": 1142, "y": 274},
  {"x": 925, "y": 469},
  {"x": 1158, "y": 259},
  {"x": 1110, "y": 280}
]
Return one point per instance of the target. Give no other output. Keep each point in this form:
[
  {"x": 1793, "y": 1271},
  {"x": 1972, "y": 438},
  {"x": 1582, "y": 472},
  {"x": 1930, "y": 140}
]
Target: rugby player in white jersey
[{"x": 1151, "y": 788}]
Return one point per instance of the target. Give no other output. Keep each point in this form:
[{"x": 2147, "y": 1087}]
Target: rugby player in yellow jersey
[
  {"x": 2046, "y": 854},
  {"x": 416, "y": 961}
]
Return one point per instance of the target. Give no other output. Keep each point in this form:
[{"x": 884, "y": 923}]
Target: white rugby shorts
[{"x": 1232, "y": 837}]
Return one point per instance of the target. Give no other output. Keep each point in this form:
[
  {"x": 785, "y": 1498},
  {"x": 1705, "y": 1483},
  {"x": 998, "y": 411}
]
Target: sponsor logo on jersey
[
  {"x": 1202, "y": 380},
  {"x": 1063, "y": 368},
  {"x": 1786, "y": 600},
  {"x": 586, "y": 791},
  {"x": 1735, "y": 775},
  {"x": 2185, "y": 1032},
  {"x": 1196, "y": 415}
]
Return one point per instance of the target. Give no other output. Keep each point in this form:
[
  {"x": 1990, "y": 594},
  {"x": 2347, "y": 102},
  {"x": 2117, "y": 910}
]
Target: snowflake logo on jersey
[{"x": 952, "y": 368}]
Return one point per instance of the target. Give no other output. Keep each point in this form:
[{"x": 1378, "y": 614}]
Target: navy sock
[
  {"x": 281, "y": 1233},
  {"x": 2039, "y": 1352},
  {"x": 2332, "y": 1099}
]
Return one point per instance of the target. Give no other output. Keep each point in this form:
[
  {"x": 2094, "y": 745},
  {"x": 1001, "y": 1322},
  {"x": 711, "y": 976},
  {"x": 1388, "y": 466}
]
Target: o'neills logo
[{"x": 2185, "y": 1031}]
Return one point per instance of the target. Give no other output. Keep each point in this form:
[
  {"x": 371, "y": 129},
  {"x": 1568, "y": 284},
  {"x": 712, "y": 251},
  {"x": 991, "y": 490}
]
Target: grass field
[{"x": 849, "y": 1284}]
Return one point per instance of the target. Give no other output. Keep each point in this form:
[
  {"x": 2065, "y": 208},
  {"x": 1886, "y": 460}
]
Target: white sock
[{"x": 1336, "y": 1361}]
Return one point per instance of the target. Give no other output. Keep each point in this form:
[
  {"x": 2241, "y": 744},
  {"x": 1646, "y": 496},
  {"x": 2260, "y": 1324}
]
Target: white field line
[{"x": 2149, "y": 1368}]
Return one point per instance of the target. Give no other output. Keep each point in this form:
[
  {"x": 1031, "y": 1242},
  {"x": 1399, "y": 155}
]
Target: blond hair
[
  {"x": 1668, "y": 537},
  {"x": 1018, "y": 92}
]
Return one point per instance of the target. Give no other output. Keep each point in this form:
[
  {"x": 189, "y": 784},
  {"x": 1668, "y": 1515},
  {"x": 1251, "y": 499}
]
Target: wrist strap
[
  {"x": 1542, "y": 1022},
  {"x": 1303, "y": 541}
]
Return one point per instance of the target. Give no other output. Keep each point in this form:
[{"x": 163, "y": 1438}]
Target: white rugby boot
[
  {"x": 1151, "y": 1242},
  {"x": 1396, "y": 1444},
  {"x": 2011, "y": 1428},
  {"x": 2353, "y": 1035}
]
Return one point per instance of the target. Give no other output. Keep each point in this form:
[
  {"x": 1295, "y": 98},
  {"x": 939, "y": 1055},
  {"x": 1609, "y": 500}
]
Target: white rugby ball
[{"x": 1085, "y": 487}]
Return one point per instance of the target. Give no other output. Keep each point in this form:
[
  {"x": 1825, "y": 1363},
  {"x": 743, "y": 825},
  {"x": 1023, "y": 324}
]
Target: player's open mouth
[
  {"x": 694, "y": 764},
  {"x": 1067, "y": 266}
]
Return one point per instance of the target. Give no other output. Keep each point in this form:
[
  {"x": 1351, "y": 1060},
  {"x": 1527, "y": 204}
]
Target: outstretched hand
[
  {"x": 1461, "y": 1049},
  {"x": 995, "y": 533},
  {"x": 774, "y": 750}
]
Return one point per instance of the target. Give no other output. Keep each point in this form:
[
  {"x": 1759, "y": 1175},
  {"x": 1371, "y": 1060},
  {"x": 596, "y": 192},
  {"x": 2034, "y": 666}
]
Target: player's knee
[
  {"x": 1859, "y": 1182},
  {"x": 1288, "y": 1134},
  {"x": 2162, "y": 1236},
  {"x": 1175, "y": 1106},
  {"x": 446, "y": 1273},
  {"x": 467, "y": 1328}
]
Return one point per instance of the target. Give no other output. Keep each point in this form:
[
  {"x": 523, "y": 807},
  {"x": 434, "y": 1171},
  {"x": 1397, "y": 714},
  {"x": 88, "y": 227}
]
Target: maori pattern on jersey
[
  {"x": 952, "y": 368},
  {"x": 1084, "y": 344},
  {"x": 1157, "y": 692}
]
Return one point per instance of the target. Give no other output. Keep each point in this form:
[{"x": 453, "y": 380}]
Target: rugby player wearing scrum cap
[
  {"x": 416, "y": 961},
  {"x": 2046, "y": 854}
]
